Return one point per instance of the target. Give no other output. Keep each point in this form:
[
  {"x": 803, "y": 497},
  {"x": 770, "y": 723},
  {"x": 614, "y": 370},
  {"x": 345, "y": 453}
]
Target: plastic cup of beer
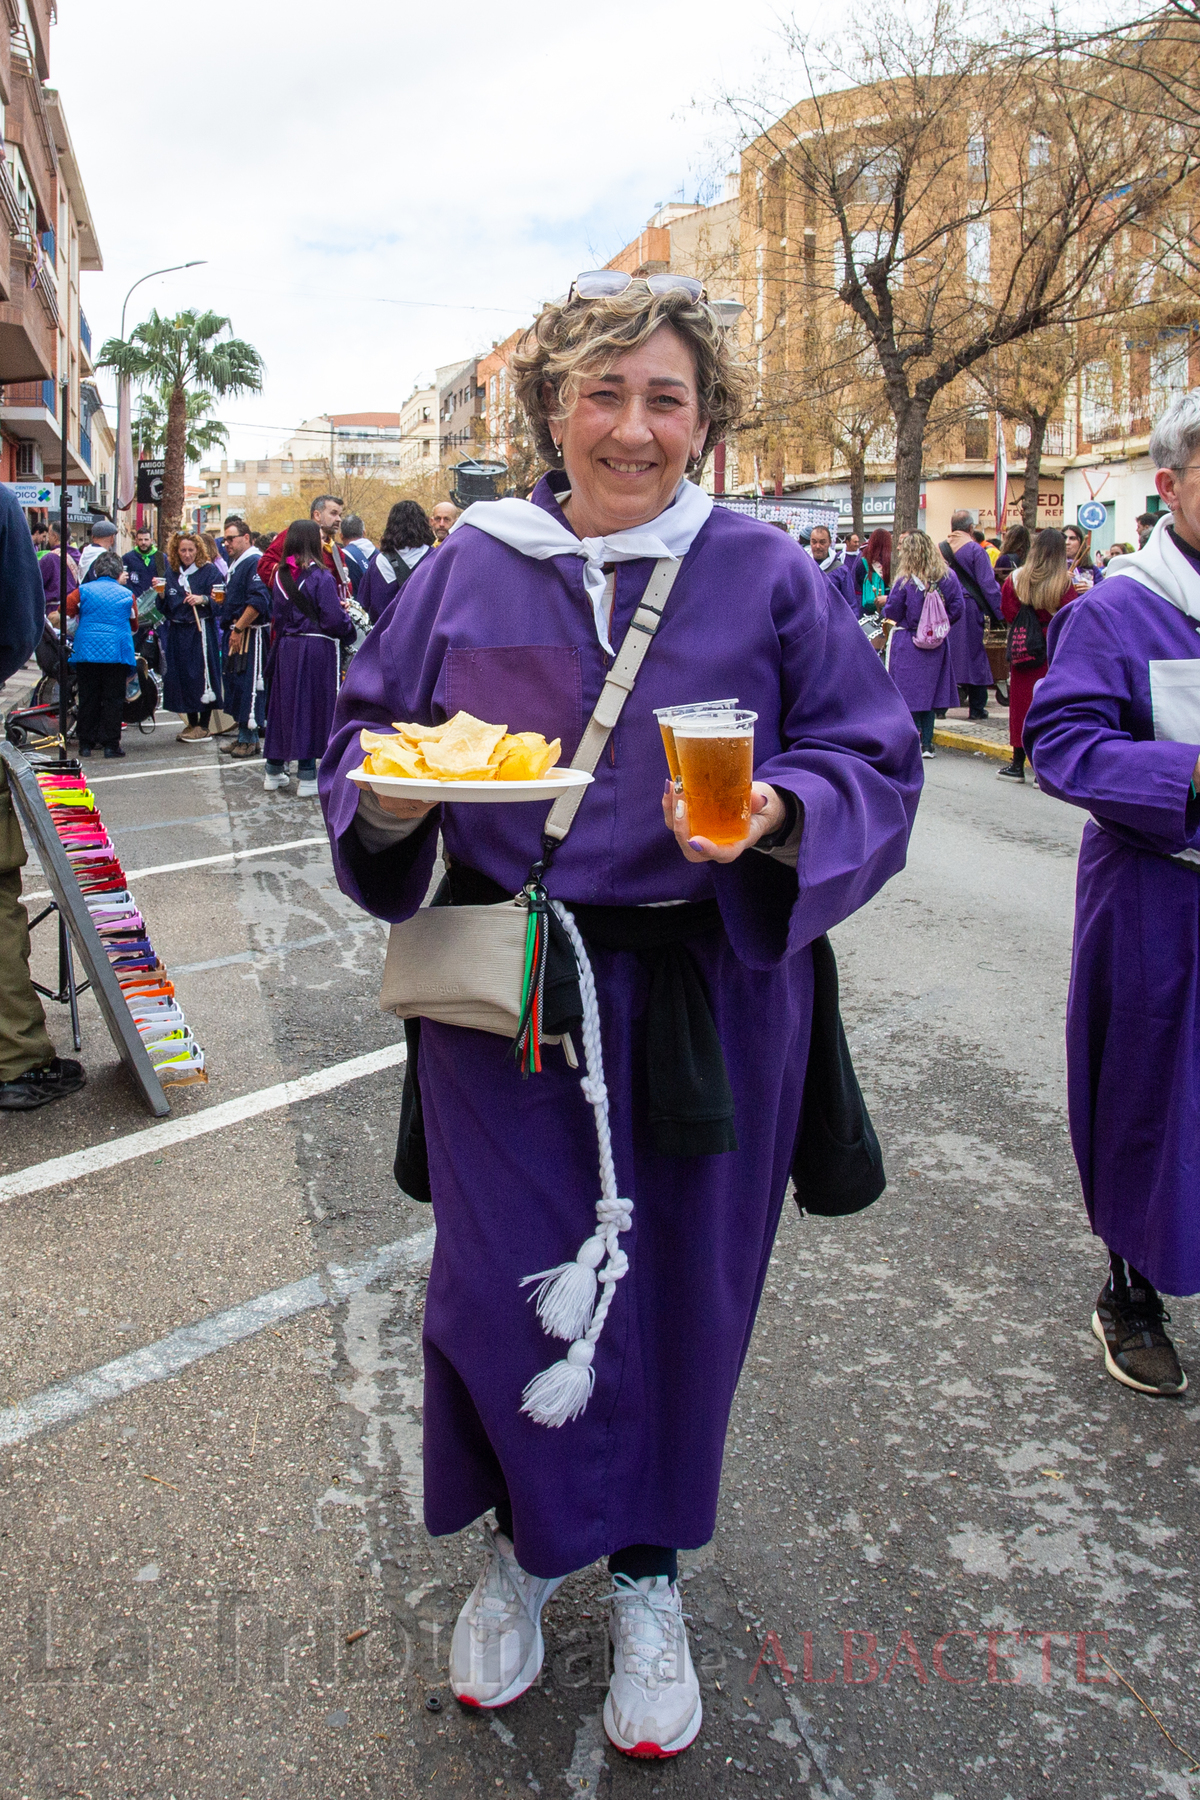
[
  {"x": 716, "y": 766},
  {"x": 218, "y": 590},
  {"x": 665, "y": 714},
  {"x": 159, "y": 584}
]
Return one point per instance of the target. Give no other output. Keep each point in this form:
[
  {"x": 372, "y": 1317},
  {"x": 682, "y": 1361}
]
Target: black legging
[
  {"x": 200, "y": 718},
  {"x": 635, "y": 1560}
]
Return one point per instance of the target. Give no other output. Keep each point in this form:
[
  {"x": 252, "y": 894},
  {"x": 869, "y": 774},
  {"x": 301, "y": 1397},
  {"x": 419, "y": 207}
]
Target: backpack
[
  {"x": 934, "y": 626},
  {"x": 1026, "y": 640}
]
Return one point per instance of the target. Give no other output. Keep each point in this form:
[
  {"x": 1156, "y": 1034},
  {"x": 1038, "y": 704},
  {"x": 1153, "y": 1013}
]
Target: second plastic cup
[
  {"x": 666, "y": 714},
  {"x": 716, "y": 767}
]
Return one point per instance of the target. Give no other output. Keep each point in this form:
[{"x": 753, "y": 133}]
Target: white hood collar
[
  {"x": 1163, "y": 568},
  {"x": 537, "y": 533}
]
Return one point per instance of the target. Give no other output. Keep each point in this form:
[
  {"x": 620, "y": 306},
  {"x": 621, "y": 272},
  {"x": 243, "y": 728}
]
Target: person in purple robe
[
  {"x": 407, "y": 537},
  {"x": 701, "y": 956},
  {"x": 309, "y": 624},
  {"x": 192, "y": 685},
  {"x": 825, "y": 554},
  {"x": 1114, "y": 726},
  {"x": 970, "y": 563},
  {"x": 924, "y": 676}
]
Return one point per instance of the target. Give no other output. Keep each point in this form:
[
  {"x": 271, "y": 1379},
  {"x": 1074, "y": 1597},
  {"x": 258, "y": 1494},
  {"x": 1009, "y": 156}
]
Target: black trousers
[{"x": 101, "y": 700}]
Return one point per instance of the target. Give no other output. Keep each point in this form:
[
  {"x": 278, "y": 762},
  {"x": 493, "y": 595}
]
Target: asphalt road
[{"x": 215, "y": 1583}]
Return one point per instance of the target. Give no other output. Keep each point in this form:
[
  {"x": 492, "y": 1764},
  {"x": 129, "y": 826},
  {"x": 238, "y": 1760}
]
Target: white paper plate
[{"x": 488, "y": 793}]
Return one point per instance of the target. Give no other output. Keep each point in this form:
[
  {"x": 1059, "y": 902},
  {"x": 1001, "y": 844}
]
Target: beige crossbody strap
[{"x": 618, "y": 685}]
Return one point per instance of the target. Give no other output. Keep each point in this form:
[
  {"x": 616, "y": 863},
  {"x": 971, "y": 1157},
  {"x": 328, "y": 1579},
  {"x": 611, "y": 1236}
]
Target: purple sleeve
[
  {"x": 852, "y": 759},
  {"x": 952, "y": 595},
  {"x": 979, "y": 564},
  {"x": 392, "y": 677},
  {"x": 1079, "y": 737},
  {"x": 331, "y": 614}
]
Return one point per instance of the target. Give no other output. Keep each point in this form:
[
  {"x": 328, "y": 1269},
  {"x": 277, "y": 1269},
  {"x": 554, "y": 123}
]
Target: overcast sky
[{"x": 330, "y": 161}]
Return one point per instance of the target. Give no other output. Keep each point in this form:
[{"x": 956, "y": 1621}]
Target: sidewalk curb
[{"x": 958, "y": 740}]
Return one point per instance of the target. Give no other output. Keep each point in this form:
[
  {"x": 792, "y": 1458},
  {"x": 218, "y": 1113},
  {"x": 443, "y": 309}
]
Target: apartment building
[
  {"x": 236, "y": 486},
  {"x": 366, "y": 443},
  {"x": 460, "y": 400},
  {"x": 47, "y": 238},
  {"x": 419, "y": 430}
]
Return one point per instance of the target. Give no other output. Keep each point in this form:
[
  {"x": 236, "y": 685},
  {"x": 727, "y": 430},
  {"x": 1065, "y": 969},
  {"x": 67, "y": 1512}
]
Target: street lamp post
[{"x": 124, "y": 399}]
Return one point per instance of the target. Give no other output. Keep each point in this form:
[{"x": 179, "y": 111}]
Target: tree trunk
[
  {"x": 910, "y": 453},
  {"x": 1033, "y": 472},
  {"x": 856, "y": 462},
  {"x": 170, "y": 513}
]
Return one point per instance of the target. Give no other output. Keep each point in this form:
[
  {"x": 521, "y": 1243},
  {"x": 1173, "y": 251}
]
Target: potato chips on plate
[{"x": 463, "y": 759}]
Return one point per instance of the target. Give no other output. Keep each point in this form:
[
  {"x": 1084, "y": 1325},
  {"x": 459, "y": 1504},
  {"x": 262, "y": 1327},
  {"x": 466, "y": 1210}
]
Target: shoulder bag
[{"x": 466, "y": 965}]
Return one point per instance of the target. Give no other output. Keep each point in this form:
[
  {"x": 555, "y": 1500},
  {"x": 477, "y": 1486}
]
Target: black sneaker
[
  {"x": 111, "y": 752},
  {"x": 1137, "y": 1351},
  {"x": 984, "y": 714},
  {"x": 38, "y": 1087},
  {"x": 1010, "y": 772}
]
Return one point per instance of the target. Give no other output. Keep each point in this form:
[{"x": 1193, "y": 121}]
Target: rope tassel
[{"x": 566, "y": 1295}]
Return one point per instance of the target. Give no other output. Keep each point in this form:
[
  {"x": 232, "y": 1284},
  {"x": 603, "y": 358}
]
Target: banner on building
[
  {"x": 149, "y": 483},
  {"x": 800, "y": 516}
]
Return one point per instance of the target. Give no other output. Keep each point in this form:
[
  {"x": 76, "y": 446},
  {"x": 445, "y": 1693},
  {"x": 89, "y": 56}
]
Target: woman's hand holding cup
[{"x": 767, "y": 813}]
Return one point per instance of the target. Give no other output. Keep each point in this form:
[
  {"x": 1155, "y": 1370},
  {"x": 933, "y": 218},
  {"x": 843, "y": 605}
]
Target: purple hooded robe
[
  {"x": 1114, "y": 726},
  {"x": 304, "y": 667},
  {"x": 925, "y": 677},
  {"x": 513, "y": 1163}
]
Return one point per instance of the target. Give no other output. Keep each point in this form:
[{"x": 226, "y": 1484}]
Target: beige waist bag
[{"x": 465, "y": 965}]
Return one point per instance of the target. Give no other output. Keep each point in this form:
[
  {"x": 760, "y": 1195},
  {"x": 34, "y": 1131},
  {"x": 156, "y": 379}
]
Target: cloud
[{"x": 330, "y": 161}]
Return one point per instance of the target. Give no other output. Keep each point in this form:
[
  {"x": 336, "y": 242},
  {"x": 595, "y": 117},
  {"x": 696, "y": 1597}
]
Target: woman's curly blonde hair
[
  {"x": 567, "y": 343},
  {"x": 917, "y": 554},
  {"x": 193, "y": 537}
]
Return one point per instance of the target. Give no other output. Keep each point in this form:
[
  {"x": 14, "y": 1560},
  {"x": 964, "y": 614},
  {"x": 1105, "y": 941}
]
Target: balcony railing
[
  {"x": 85, "y": 334},
  {"x": 85, "y": 446},
  {"x": 31, "y": 393}
]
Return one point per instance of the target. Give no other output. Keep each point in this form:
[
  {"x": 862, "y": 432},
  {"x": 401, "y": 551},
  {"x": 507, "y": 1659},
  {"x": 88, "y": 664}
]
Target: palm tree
[
  {"x": 176, "y": 356},
  {"x": 202, "y": 432}
]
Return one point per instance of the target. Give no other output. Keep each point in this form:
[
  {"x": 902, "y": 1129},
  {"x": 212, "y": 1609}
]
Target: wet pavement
[{"x": 938, "y": 1514}]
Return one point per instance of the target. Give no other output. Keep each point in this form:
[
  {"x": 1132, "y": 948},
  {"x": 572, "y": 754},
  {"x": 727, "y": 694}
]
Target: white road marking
[
  {"x": 153, "y": 1138},
  {"x": 201, "y": 862},
  {"x": 71, "y": 1399},
  {"x": 158, "y": 769}
]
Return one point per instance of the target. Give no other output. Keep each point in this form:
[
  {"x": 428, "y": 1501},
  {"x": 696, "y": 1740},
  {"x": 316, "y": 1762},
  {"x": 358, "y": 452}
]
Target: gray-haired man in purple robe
[{"x": 1115, "y": 727}]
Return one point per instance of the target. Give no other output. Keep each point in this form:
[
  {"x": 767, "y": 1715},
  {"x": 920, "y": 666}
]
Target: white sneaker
[
  {"x": 496, "y": 1651},
  {"x": 653, "y": 1704},
  {"x": 274, "y": 782},
  {"x": 306, "y": 789}
]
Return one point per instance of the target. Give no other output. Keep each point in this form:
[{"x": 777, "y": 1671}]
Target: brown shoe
[
  {"x": 193, "y": 734},
  {"x": 243, "y": 752}
]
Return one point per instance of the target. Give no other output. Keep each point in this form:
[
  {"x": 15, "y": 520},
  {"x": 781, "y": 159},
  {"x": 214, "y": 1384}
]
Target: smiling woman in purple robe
[
  {"x": 1115, "y": 727},
  {"x": 516, "y": 619}
]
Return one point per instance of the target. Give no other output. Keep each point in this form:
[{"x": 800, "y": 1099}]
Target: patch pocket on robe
[
  {"x": 528, "y": 687},
  {"x": 1175, "y": 700}
]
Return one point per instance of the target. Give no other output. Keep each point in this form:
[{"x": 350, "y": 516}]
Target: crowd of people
[
  {"x": 253, "y": 628},
  {"x": 984, "y": 586}
]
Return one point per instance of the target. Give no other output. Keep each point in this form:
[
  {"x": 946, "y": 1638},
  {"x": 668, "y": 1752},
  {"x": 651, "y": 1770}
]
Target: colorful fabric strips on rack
[{"x": 149, "y": 994}]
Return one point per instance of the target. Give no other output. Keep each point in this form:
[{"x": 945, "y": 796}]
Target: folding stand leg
[{"x": 66, "y": 979}]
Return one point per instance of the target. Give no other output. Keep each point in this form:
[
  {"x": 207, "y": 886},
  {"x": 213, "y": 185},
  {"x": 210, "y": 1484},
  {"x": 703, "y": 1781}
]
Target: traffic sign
[{"x": 1092, "y": 514}]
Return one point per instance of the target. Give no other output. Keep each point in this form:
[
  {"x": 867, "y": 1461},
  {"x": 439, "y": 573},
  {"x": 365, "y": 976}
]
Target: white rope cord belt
[{"x": 566, "y": 1296}]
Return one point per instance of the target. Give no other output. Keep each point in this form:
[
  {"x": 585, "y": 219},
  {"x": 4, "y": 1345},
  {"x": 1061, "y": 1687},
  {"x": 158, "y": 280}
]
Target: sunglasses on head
[{"x": 606, "y": 284}]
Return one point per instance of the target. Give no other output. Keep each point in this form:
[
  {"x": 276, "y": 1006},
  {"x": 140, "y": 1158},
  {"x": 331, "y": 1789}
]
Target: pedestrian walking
[
  {"x": 357, "y": 549},
  {"x": 441, "y": 519},
  {"x": 102, "y": 652},
  {"x": 103, "y": 537},
  {"x": 1042, "y": 585},
  {"x": 407, "y": 537},
  {"x": 1115, "y": 728},
  {"x": 919, "y": 660},
  {"x": 31, "y": 1072},
  {"x": 244, "y": 623},
  {"x": 1014, "y": 548},
  {"x": 193, "y": 679},
  {"x": 873, "y": 571},
  {"x": 50, "y": 569},
  {"x": 515, "y": 619},
  {"x": 309, "y": 624},
  {"x": 1083, "y": 571},
  {"x": 828, "y": 557},
  {"x": 966, "y": 557},
  {"x": 143, "y": 563}
]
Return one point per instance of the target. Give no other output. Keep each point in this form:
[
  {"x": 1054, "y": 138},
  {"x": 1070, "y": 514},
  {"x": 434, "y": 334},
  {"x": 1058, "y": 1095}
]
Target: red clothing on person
[
  {"x": 1021, "y": 682},
  {"x": 272, "y": 556}
]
